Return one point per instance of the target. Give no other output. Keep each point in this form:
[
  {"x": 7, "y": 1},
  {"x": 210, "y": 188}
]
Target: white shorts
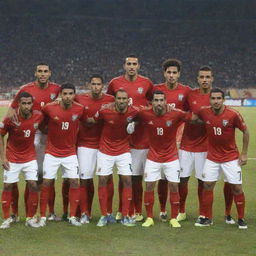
[
  {"x": 40, "y": 142},
  {"x": 190, "y": 161},
  {"x": 231, "y": 170},
  {"x": 139, "y": 157},
  {"x": 87, "y": 159},
  {"x": 69, "y": 166},
  {"x": 105, "y": 164},
  {"x": 153, "y": 169},
  {"x": 29, "y": 169}
]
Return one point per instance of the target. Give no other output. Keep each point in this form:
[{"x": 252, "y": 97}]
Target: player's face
[
  {"x": 96, "y": 86},
  {"x": 42, "y": 74},
  {"x": 216, "y": 100},
  {"x": 205, "y": 79},
  {"x": 159, "y": 103},
  {"x": 25, "y": 105},
  {"x": 67, "y": 96},
  {"x": 171, "y": 75},
  {"x": 121, "y": 101},
  {"x": 131, "y": 66}
]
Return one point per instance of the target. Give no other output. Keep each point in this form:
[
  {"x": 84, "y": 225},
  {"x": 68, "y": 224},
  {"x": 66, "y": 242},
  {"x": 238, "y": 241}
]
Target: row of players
[{"x": 107, "y": 141}]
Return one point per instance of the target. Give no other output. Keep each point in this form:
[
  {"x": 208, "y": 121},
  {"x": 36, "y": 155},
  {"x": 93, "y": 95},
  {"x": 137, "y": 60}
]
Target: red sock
[
  {"x": 200, "y": 193},
  {"x": 90, "y": 189},
  {"x": 207, "y": 202},
  {"x": 44, "y": 197},
  {"x": 51, "y": 199},
  {"x": 126, "y": 200},
  {"x": 137, "y": 191},
  {"x": 131, "y": 211},
  {"x": 78, "y": 209},
  {"x": 83, "y": 200},
  {"x": 175, "y": 204},
  {"x": 162, "y": 190},
  {"x": 183, "y": 192},
  {"x": 6, "y": 203},
  {"x": 240, "y": 204},
  {"x": 32, "y": 204},
  {"x": 149, "y": 202},
  {"x": 26, "y": 192},
  {"x": 103, "y": 199},
  {"x": 74, "y": 197},
  {"x": 15, "y": 199},
  {"x": 120, "y": 191},
  {"x": 110, "y": 188},
  {"x": 65, "y": 191},
  {"x": 228, "y": 196}
]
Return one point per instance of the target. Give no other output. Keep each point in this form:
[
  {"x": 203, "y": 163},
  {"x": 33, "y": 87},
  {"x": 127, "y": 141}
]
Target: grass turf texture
[{"x": 220, "y": 239}]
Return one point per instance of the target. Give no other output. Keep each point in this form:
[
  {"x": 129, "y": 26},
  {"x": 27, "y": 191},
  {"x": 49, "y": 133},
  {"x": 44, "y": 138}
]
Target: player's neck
[
  {"x": 24, "y": 115},
  {"x": 161, "y": 113},
  {"x": 42, "y": 85},
  {"x": 171, "y": 86},
  {"x": 65, "y": 106},
  {"x": 131, "y": 78},
  {"x": 96, "y": 96},
  {"x": 120, "y": 110},
  {"x": 205, "y": 90},
  {"x": 218, "y": 111}
]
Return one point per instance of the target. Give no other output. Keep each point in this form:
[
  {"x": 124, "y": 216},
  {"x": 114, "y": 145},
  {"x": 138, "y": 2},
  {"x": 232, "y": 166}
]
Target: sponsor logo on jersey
[
  {"x": 168, "y": 123},
  {"x": 180, "y": 97},
  {"x": 53, "y": 96},
  {"x": 225, "y": 123},
  {"x": 129, "y": 119},
  {"x": 35, "y": 125},
  {"x": 74, "y": 117},
  {"x": 140, "y": 90}
]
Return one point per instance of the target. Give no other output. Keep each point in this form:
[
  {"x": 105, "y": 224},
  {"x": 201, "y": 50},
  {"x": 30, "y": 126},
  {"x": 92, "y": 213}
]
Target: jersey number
[
  {"x": 159, "y": 131},
  {"x": 64, "y": 125},
  {"x": 26, "y": 133},
  {"x": 217, "y": 130}
]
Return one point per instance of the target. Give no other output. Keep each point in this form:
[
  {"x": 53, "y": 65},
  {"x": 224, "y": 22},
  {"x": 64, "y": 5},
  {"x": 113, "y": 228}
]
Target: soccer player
[
  {"x": 176, "y": 95},
  {"x": 20, "y": 156},
  {"x": 43, "y": 92},
  {"x": 163, "y": 154},
  {"x": 114, "y": 149},
  {"x": 62, "y": 119},
  {"x": 223, "y": 155},
  {"x": 139, "y": 89},
  {"x": 87, "y": 147}
]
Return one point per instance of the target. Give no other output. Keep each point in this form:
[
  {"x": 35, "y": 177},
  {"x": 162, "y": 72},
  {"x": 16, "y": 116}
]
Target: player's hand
[
  {"x": 6, "y": 165},
  {"x": 243, "y": 159},
  {"x": 130, "y": 128},
  {"x": 12, "y": 114},
  {"x": 170, "y": 107}
]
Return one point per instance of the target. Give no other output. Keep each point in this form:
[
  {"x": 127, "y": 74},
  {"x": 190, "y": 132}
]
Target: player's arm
[
  {"x": 5, "y": 163},
  {"x": 12, "y": 114},
  {"x": 243, "y": 156}
]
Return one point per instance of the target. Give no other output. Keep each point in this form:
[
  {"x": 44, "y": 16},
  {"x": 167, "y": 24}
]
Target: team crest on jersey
[
  {"x": 140, "y": 90},
  {"x": 35, "y": 125},
  {"x": 52, "y": 96},
  {"x": 225, "y": 123},
  {"x": 74, "y": 117},
  {"x": 180, "y": 97},
  {"x": 168, "y": 123},
  {"x": 1, "y": 125},
  {"x": 129, "y": 119}
]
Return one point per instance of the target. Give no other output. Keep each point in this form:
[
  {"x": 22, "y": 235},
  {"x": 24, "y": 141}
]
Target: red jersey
[
  {"x": 40, "y": 96},
  {"x": 194, "y": 137},
  {"x": 177, "y": 97},
  {"x": 89, "y": 136},
  {"x": 162, "y": 133},
  {"x": 20, "y": 143},
  {"x": 114, "y": 137},
  {"x": 140, "y": 93},
  {"x": 221, "y": 133},
  {"x": 63, "y": 127}
]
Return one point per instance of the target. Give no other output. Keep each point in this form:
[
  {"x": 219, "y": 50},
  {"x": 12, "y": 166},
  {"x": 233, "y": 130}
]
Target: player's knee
[
  {"x": 237, "y": 189},
  {"x": 8, "y": 186},
  {"x": 209, "y": 185},
  {"x": 32, "y": 185},
  {"x": 174, "y": 187}
]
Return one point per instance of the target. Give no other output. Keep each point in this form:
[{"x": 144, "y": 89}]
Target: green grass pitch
[{"x": 220, "y": 239}]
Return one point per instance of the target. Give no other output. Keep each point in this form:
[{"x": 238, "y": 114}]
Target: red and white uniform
[
  {"x": 63, "y": 125},
  {"x": 222, "y": 149},
  {"x": 89, "y": 136}
]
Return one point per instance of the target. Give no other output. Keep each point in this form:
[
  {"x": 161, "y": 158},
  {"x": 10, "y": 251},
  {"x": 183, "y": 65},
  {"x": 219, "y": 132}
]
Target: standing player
[
  {"x": 43, "y": 92},
  {"x": 223, "y": 155},
  {"x": 62, "y": 119},
  {"x": 88, "y": 144},
  {"x": 20, "y": 156},
  {"x": 139, "y": 89},
  {"x": 176, "y": 94}
]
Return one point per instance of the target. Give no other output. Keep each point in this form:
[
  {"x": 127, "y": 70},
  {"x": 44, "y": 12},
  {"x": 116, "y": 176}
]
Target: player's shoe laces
[
  {"x": 174, "y": 223},
  {"x": 163, "y": 216},
  {"x": 73, "y": 221},
  {"x": 128, "y": 222},
  {"x": 84, "y": 219},
  {"x": 229, "y": 220},
  {"x": 181, "y": 216},
  {"x": 53, "y": 217},
  {"x": 7, "y": 223},
  {"x": 139, "y": 217},
  {"x": 42, "y": 221},
  {"x": 203, "y": 222},
  {"x": 118, "y": 216},
  {"x": 148, "y": 223},
  {"x": 242, "y": 224},
  {"x": 65, "y": 216},
  {"x": 111, "y": 219},
  {"x": 103, "y": 221},
  {"x": 32, "y": 222},
  {"x": 15, "y": 218}
]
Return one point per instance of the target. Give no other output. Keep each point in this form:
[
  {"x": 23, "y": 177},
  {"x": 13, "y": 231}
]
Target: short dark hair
[
  {"x": 206, "y": 68},
  {"x": 121, "y": 90},
  {"x": 131, "y": 56},
  {"x": 217, "y": 90},
  {"x": 68, "y": 86},
  {"x": 158, "y": 92},
  {"x": 172, "y": 63},
  {"x": 43, "y": 64},
  {"x": 25, "y": 95},
  {"x": 96, "y": 76}
]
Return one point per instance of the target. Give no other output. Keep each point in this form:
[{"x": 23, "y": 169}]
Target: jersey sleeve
[
  {"x": 110, "y": 88},
  {"x": 149, "y": 94},
  {"x": 239, "y": 122},
  {"x": 15, "y": 101},
  {"x": 4, "y": 125}
]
